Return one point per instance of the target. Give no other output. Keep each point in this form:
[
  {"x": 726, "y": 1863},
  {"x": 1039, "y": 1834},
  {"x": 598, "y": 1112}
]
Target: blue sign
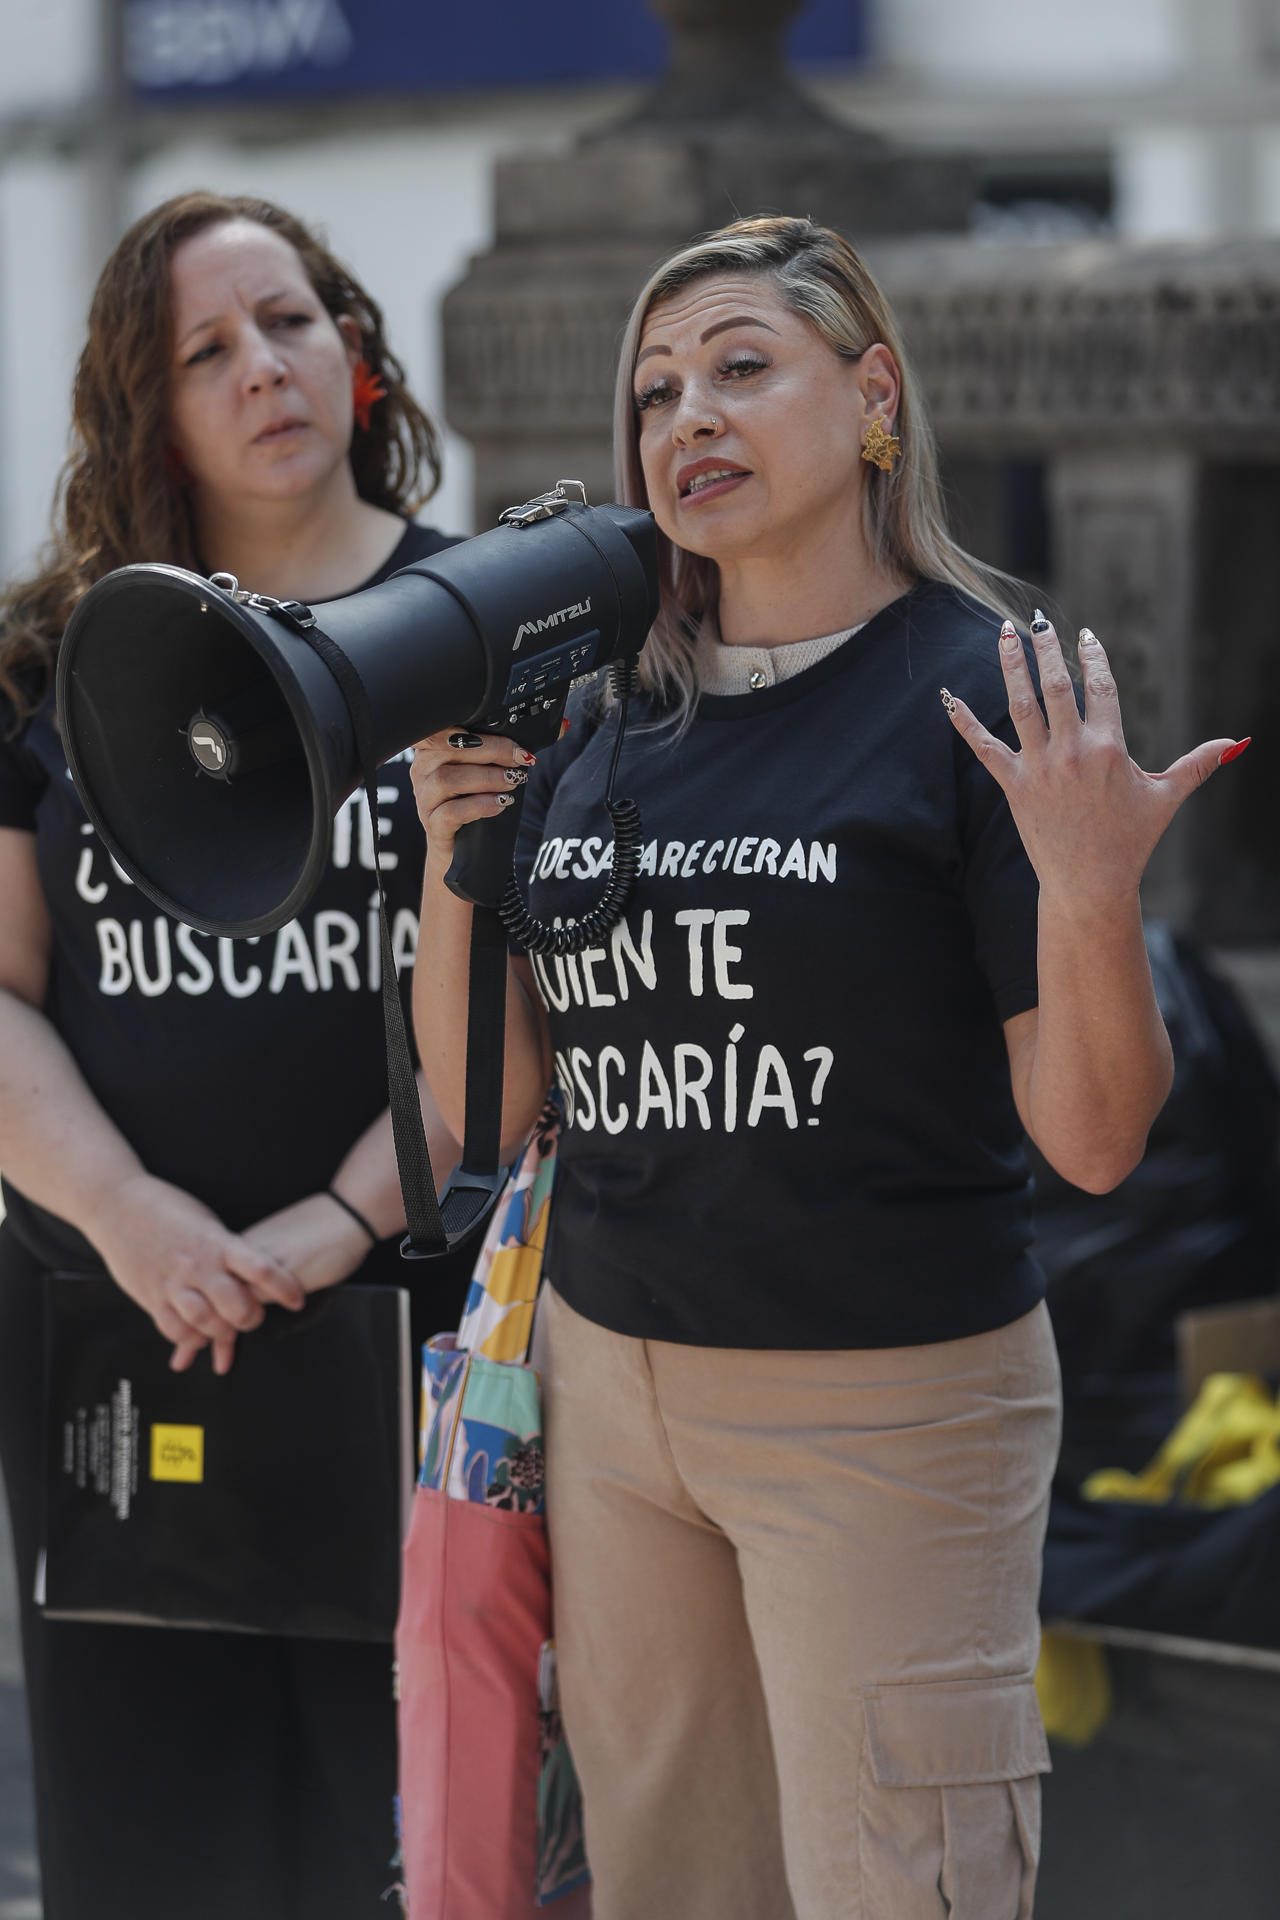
[{"x": 263, "y": 49}]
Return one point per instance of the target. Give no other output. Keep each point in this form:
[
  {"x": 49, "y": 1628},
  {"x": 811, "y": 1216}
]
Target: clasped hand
[{"x": 202, "y": 1284}]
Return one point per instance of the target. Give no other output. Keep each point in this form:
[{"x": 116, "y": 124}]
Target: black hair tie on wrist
[{"x": 355, "y": 1213}]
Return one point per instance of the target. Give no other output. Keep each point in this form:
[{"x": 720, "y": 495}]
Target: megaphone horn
[{"x": 213, "y": 732}]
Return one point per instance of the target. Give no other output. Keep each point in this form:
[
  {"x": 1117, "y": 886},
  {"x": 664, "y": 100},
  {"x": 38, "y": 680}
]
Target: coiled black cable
[{"x": 534, "y": 935}]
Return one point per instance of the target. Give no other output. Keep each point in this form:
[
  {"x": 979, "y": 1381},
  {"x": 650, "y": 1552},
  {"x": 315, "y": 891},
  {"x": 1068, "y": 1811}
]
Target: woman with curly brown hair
[{"x": 236, "y": 407}]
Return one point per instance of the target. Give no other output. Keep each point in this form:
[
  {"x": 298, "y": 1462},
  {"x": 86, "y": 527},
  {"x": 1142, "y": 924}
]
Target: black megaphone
[{"x": 212, "y": 732}]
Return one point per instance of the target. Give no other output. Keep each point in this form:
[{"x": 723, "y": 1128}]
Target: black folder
[{"x": 271, "y": 1499}]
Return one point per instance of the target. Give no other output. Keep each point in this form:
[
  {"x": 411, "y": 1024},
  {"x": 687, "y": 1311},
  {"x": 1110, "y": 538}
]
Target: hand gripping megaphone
[{"x": 213, "y": 732}]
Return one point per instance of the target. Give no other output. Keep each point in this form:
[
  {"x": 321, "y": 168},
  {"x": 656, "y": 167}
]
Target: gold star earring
[{"x": 880, "y": 447}]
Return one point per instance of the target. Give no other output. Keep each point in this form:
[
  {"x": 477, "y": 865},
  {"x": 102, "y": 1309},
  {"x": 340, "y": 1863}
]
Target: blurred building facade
[
  {"x": 1155, "y": 119},
  {"x": 1153, "y": 122}
]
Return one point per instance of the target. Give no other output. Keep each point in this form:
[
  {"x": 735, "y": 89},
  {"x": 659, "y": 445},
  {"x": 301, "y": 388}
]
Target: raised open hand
[{"x": 1089, "y": 816}]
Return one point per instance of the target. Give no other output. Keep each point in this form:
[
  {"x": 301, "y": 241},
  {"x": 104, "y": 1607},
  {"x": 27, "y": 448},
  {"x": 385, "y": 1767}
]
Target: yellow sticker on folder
[{"x": 177, "y": 1453}]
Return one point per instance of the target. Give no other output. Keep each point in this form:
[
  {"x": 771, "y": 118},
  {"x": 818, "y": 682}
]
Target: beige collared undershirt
[{"x": 731, "y": 670}]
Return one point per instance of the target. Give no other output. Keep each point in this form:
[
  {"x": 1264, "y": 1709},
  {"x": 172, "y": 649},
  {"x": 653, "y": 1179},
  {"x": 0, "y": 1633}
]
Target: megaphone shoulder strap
[
  {"x": 479, "y": 1177},
  {"x": 426, "y": 1233},
  {"x": 434, "y": 1224}
]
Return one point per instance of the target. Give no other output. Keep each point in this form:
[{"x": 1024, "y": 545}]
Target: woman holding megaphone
[
  {"x": 802, "y": 1401},
  {"x": 203, "y": 1119}
]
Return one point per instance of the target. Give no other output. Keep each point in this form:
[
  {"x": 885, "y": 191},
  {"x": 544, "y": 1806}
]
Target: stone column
[
  {"x": 531, "y": 333},
  {"x": 726, "y": 63},
  {"x": 1125, "y": 535}
]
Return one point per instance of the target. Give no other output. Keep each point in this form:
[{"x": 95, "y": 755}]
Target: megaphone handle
[{"x": 483, "y": 852}]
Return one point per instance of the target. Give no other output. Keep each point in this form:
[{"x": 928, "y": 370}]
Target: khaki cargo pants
[{"x": 795, "y": 1601}]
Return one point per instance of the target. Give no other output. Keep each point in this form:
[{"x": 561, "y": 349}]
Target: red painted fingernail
[
  {"x": 530, "y": 759},
  {"x": 1233, "y": 753},
  {"x": 564, "y": 728}
]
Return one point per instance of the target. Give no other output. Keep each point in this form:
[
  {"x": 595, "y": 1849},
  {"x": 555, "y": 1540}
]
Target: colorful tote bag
[{"x": 491, "y": 1823}]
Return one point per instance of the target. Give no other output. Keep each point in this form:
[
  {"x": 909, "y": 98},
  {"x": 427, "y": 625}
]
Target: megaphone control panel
[{"x": 542, "y": 681}]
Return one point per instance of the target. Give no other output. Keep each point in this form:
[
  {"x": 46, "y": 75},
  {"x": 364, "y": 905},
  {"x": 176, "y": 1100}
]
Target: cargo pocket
[{"x": 949, "y": 1808}]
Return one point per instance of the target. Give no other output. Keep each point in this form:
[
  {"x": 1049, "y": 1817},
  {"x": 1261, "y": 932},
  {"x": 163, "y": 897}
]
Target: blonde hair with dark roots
[
  {"x": 819, "y": 276},
  {"x": 117, "y": 501}
]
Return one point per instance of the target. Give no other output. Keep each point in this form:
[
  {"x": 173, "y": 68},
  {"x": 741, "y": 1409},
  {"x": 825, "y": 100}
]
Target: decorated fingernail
[
  {"x": 1039, "y": 624},
  {"x": 515, "y": 776},
  {"x": 1009, "y": 641},
  {"x": 948, "y": 700},
  {"x": 504, "y": 799},
  {"x": 459, "y": 740},
  {"x": 1233, "y": 753},
  {"x": 524, "y": 759},
  {"x": 1088, "y": 638}
]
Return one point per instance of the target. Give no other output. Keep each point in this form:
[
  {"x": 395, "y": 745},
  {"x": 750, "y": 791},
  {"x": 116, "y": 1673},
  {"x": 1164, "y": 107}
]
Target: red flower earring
[{"x": 366, "y": 390}]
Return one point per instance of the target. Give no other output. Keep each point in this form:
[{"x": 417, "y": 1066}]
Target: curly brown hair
[{"x": 117, "y": 501}]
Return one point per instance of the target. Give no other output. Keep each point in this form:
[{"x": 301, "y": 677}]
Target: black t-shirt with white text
[
  {"x": 241, "y": 1070},
  {"x": 789, "y": 1114}
]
